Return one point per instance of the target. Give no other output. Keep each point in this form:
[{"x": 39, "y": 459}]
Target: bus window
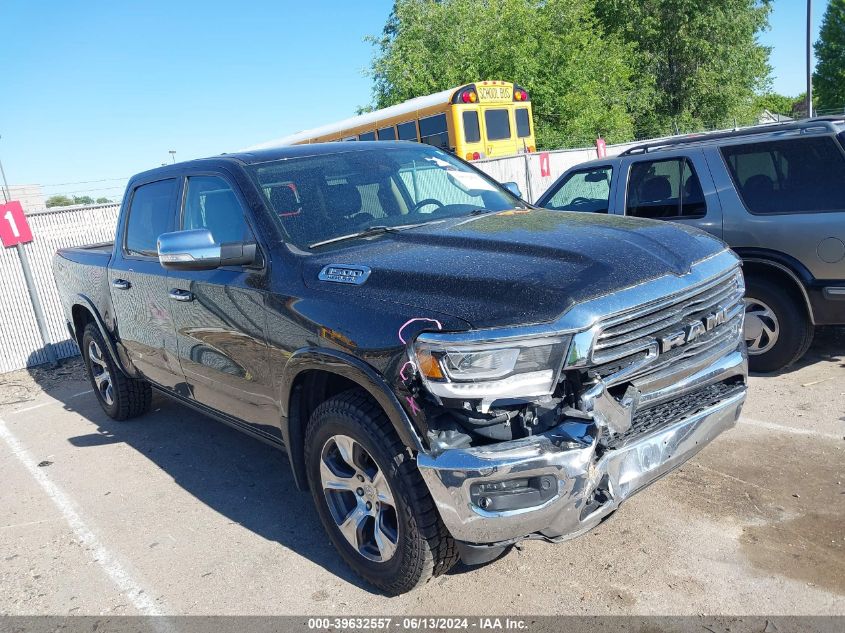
[
  {"x": 367, "y": 136},
  {"x": 523, "y": 123},
  {"x": 498, "y": 124},
  {"x": 472, "y": 133},
  {"x": 433, "y": 131},
  {"x": 387, "y": 134},
  {"x": 349, "y": 138},
  {"x": 407, "y": 131}
]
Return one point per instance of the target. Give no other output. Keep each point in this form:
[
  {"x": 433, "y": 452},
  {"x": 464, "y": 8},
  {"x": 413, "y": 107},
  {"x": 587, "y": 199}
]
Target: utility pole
[
  {"x": 172, "y": 153},
  {"x": 809, "y": 58},
  {"x": 40, "y": 320}
]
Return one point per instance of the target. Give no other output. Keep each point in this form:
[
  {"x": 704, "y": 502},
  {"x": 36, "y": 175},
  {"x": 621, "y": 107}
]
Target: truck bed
[{"x": 88, "y": 255}]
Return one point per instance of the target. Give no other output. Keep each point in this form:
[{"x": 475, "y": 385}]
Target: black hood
[{"x": 514, "y": 267}]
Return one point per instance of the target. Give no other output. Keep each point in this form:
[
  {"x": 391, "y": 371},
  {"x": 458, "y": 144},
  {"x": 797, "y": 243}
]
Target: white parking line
[
  {"x": 789, "y": 429},
  {"x": 47, "y": 404},
  {"x": 140, "y": 598}
]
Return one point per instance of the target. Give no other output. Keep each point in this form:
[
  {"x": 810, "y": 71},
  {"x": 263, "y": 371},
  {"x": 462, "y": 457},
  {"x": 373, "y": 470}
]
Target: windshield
[{"x": 318, "y": 198}]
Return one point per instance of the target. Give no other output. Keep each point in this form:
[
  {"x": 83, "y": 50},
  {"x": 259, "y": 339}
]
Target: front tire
[
  {"x": 777, "y": 328},
  {"x": 371, "y": 498},
  {"x": 120, "y": 396}
]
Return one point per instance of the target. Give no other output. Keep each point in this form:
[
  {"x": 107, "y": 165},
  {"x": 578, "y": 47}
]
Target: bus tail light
[
  {"x": 474, "y": 155},
  {"x": 531, "y": 148}
]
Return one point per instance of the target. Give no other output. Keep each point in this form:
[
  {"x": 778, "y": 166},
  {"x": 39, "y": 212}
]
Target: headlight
[{"x": 451, "y": 367}]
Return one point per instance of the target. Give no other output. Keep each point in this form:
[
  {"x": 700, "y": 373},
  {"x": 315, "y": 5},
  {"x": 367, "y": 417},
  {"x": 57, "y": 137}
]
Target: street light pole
[
  {"x": 7, "y": 194},
  {"x": 809, "y": 58},
  {"x": 172, "y": 153}
]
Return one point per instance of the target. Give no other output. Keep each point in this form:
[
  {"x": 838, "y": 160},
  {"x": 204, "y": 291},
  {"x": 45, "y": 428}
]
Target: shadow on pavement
[{"x": 243, "y": 479}]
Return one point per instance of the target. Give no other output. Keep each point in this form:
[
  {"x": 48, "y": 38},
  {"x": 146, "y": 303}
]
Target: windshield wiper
[{"x": 377, "y": 229}]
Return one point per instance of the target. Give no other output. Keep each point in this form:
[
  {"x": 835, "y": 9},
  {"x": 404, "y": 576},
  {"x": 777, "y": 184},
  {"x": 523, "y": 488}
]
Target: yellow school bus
[{"x": 477, "y": 120}]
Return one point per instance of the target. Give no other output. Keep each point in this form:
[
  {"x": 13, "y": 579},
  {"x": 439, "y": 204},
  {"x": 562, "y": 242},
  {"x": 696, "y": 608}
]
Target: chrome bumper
[{"x": 589, "y": 487}]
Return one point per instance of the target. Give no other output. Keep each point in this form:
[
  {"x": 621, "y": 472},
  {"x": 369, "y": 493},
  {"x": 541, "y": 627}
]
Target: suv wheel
[
  {"x": 120, "y": 396},
  {"x": 777, "y": 329},
  {"x": 371, "y": 498}
]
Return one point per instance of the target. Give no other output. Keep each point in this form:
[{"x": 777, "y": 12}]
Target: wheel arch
[
  {"x": 769, "y": 264},
  {"x": 313, "y": 375},
  {"x": 83, "y": 312}
]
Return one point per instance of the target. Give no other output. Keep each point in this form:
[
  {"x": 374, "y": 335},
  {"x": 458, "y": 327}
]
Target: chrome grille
[
  {"x": 627, "y": 342},
  {"x": 660, "y": 416}
]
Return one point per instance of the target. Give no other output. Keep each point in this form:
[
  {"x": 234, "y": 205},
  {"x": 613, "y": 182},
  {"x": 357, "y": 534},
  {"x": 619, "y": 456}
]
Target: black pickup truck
[{"x": 449, "y": 369}]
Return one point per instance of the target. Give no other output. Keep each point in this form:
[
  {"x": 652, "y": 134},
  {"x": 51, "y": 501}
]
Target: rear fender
[{"x": 86, "y": 303}]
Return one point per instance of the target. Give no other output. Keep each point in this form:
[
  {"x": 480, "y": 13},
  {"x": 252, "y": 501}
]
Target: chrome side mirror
[
  {"x": 197, "y": 250},
  {"x": 513, "y": 188}
]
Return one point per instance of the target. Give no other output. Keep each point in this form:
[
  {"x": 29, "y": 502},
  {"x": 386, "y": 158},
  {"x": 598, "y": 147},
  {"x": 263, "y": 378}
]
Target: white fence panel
[
  {"x": 20, "y": 338},
  {"x": 525, "y": 170},
  {"x": 21, "y": 344}
]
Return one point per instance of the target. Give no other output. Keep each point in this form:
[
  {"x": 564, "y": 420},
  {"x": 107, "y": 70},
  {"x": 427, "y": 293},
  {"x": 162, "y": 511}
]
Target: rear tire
[
  {"x": 777, "y": 328},
  {"x": 355, "y": 460},
  {"x": 120, "y": 396}
]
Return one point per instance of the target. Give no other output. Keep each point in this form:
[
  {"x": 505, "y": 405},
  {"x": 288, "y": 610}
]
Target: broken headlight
[{"x": 453, "y": 367}]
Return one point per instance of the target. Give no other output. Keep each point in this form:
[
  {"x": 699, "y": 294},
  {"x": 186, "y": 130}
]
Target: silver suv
[{"x": 774, "y": 193}]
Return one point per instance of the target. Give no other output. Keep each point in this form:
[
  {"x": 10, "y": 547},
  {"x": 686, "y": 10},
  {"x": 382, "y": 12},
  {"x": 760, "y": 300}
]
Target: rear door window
[
  {"x": 665, "y": 190},
  {"x": 210, "y": 203},
  {"x": 472, "y": 131},
  {"x": 587, "y": 190},
  {"x": 801, "y": 175},
  {"x": 498, "y": 124},
  {"x": 150, "y": 215},
  {"x": 433, "y": 131},
  {"x": 523, "y": 123}
]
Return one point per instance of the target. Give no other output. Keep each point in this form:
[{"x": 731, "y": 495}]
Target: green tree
[
  {"x": 580, "y": 80},
  {"x": 829, "y": 77},
  {"x": 103, "y": 200},
  {"x": 83, "y": 200},
  {"x": 775, "y": 103},
  {"x": 703, "y": 54},
  {"x": 59, "y": 201}
]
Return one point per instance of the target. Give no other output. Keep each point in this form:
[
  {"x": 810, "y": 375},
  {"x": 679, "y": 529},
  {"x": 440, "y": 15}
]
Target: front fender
[{"x": 354, "y": 369}]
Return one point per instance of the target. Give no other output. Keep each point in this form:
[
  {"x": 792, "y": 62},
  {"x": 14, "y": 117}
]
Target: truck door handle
[
  {"x": 121, "y": 284},
  {"x": 181, "y": 295}
]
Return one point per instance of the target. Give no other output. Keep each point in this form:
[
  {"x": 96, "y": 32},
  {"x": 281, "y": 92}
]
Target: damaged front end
[{"x": 604, "y": 410}]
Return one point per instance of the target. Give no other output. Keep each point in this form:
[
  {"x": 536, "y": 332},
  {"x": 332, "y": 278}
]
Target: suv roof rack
[{"x": 749, "y": 131}]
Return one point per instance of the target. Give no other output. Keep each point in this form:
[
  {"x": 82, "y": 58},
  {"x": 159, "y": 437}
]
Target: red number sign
[
  {"x": 14, "y": 228},
  {"x": 545, "y": 168}
]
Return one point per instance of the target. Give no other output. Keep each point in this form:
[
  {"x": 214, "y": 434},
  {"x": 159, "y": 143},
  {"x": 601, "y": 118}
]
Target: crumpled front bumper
[{"x": 591, "y": 483}]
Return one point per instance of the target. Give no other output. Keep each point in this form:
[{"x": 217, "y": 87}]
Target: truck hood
[{"x": 513, "y": 267}]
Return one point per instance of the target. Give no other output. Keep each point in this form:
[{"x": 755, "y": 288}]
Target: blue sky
[{"x": 98, "y": 90}]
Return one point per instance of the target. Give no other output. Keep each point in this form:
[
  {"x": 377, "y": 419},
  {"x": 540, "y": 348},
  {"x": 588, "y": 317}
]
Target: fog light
[{"x": 513, "y": 494}]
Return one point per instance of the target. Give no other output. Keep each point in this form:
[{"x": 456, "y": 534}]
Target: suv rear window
[
  {"x": 801, "y": 175},
  {"x": 150, "y": 215}
]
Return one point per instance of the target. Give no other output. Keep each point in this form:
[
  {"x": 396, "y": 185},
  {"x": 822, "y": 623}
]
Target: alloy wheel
[
  {"x": 359, "y": 498},
  {"x": 100, "y": 373},
  {"x": 762, "y": 327}
]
